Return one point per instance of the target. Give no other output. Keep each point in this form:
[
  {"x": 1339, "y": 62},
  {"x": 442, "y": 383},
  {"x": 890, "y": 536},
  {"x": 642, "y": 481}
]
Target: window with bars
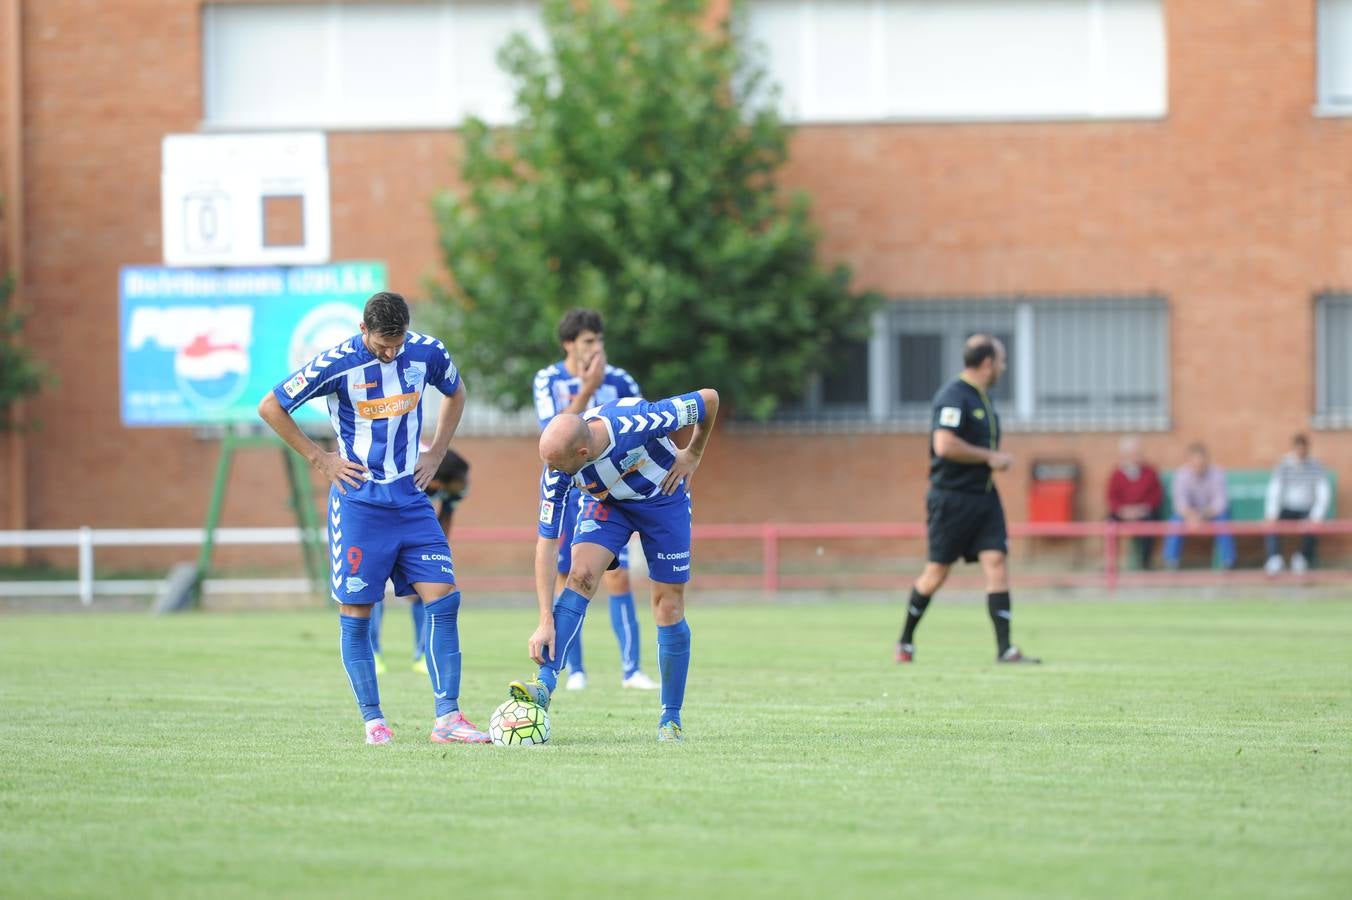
[
  {"x": 1073, "y": 364},
  {"x": 1333, "y": 364},
  {"x": 359, "y": 65}
]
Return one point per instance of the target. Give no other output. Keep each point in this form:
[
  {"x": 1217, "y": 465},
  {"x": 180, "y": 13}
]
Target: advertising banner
[{"x": 202, "y": 346}]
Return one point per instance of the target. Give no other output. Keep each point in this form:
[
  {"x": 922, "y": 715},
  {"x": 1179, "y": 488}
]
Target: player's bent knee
[
  {"x": 997, "y": 573},
  {"x": 583, "y": 582},
  {"x": 932, "y": 578},
  {"x": 617, "y": 581},
  {"x": 668, "y": 603}
]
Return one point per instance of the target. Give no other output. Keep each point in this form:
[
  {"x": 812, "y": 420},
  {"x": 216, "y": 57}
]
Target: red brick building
[{"x": 1226, "y": 200}]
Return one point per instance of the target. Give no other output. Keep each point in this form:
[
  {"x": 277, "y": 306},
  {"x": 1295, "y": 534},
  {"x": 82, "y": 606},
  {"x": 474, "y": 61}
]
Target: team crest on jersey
[
  {"x": 978, "y": 414},
  {"x": 586, "y": 526},
  {"x": 413, "y": 377},
  {"x": 633, "y": 461},
  {"x": 355, "y": 584}
]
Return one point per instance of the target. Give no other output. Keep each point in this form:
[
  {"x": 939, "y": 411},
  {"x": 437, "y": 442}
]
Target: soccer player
[
  {"x": 965, "y": 516},
  {"x": 381, "y": 524},
  {"x": 581, "y": 380},
  {"x": 633, "y": 480},
  {"x": 447, "y": 488}
]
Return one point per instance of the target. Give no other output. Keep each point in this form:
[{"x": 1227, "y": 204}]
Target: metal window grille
[{"x": 1075, "y": 364}]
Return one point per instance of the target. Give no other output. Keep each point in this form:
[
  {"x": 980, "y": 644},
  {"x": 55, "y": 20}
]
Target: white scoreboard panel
[{"x": 217, "y": 191}]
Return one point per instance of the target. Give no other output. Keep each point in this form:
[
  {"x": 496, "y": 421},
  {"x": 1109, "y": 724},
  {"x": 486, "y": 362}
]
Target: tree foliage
[
  {"x": 639, "y": 179},
  {"x": 21, "y": 376}
]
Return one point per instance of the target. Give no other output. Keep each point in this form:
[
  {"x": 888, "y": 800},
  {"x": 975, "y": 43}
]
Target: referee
[{"x": 965, "y": 517}]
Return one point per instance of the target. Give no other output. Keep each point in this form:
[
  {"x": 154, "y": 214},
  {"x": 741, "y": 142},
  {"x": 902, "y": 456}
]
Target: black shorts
[{"x": 963, "y": 525}]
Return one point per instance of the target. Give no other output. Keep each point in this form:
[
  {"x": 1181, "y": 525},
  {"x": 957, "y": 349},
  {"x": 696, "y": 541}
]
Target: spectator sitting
[
  {"x": 1299, "y": 489},
  {"x": 1199, "y": 496},
  {"x": 1135, "y": 495}
]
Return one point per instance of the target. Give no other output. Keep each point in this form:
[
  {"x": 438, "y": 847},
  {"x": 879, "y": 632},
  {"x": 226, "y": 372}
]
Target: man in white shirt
[{"x": 1299, "y": 489}]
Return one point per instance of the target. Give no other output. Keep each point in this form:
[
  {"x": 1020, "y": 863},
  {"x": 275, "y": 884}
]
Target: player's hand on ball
[
  {"x": 541, "y": 638},
  {"x": 1001, "y": 461},
  {"x": 338, "y": 470},
  {"x": 685, "y": 465}
]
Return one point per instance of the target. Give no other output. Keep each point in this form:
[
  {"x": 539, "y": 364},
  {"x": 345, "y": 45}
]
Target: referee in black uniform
[{"x": 965, "y": 517}]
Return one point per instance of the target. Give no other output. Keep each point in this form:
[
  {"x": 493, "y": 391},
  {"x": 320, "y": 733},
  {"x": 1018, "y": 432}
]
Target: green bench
[{"x": 1247, "y": 490}]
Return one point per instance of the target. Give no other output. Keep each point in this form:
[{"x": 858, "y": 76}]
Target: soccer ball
[{"x": 519, "y": 722}]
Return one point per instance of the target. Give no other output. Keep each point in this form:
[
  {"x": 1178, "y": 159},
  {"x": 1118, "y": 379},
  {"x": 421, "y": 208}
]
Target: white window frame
[
  {"x": 1324, "y": 417},
  {"x": 1097, "y": 108},
  {"x": 445, "y": 102},
  {"x": 1325, "y": 43}
]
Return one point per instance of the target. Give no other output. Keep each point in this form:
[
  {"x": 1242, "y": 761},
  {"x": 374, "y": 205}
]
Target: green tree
[
  {"x": 639, "y": 179},
  {"x": 20, "y": 375}
]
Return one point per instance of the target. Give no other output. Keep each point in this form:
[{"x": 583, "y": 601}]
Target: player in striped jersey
[
  {"x": 633, "y": 480},
  {"x": 581, "y": 380},
  {"x": 381, "y": 524}
]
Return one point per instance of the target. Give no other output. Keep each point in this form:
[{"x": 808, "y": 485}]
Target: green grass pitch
[{"x": 1167, "y": 749}]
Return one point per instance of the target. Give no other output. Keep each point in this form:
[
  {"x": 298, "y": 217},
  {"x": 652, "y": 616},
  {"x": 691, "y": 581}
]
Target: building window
[
  {"x": 1335, "y": 56},
  {"x": 359, "y": 65},
  {"x": 1333, "y": 378},
  {"x": 879, "y": 60},
  {"x": 1074, "y": 364},
  {"x": 839, "y": 394}
]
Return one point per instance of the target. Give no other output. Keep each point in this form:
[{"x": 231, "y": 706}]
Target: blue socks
[
  {"x": 443, "y": 652},
  {"x": 573, "y": 657},
  {"x": 624, "y": 622},
  {"x": 569, "y": 611},
  {"x": 377, "y": 619},
  {"x": 673, "y": 656},
  {"x": 354, "y": 645},
  {"x": 419, "y": 619}
]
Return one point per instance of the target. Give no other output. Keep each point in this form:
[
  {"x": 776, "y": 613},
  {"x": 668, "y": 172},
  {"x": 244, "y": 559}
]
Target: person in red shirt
[{"x": 1135, "y": 495}]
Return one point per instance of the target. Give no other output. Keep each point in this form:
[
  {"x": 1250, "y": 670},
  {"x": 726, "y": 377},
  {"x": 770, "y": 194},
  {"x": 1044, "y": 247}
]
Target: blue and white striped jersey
[
  {"x": 632, "y": 467},
  {"x": 555, "y": 389},
  {"x": 374, "y": 406}
]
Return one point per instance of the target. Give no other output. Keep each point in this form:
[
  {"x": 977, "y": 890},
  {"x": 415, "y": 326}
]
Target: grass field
[{"x": 1180, "y": 749}]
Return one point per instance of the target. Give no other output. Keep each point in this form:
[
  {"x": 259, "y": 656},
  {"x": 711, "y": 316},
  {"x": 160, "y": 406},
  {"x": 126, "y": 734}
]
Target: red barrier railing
[{"x": 771, "y": 534}]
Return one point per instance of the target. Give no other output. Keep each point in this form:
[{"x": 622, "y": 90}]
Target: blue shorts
[
  {"x": 663, "y": 526},
  {"x": 571, "y": 504},
  {"x": 370, "y": 545}
]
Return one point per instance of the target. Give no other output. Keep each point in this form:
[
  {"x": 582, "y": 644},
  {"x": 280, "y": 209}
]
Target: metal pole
[
  {"x": 1110, "y": 537},
  {"x": 770, "y": 558},
  {"x": 312, "y": 531},
  {"x": 86, "y": 565},
  {"x": 214, "y": 508}
]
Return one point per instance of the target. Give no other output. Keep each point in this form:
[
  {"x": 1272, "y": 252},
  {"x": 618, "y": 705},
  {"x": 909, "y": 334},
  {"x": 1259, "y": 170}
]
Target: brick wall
[{"x": 1234, "y": 208}]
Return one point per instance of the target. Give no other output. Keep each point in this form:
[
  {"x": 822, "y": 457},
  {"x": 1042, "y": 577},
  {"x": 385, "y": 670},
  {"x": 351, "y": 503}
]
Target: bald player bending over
[{"x": 632, "y": 478}]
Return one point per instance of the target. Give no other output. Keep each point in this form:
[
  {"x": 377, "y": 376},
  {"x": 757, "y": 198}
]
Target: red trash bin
[{"x": 1053, "y": 490}]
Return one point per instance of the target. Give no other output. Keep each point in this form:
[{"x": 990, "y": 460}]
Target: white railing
[{"x": 85, "y": 539}]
